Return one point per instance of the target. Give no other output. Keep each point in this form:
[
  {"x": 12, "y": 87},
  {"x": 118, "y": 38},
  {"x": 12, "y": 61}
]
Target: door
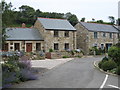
[
  {"x": 5, "y": 47},
  {"x": 108, "y": 45},
  {"x": 28, "y": 47},
  {"x": 17, "y": 46}
]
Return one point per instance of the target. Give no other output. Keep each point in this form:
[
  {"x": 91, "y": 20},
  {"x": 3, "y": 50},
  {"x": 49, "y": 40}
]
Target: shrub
[
  {"x": 100, "y": 64},
  {"x": 108, "y": 65},
  {"x": 50, "y": 50},
  {"x": 105, "y": 59},
  {"x": 97, "y": 51},
  {"x": 15, "y": 70},
  {"x": 65, "y": 56},
  {"x": 114, "y": 54},
  {"x": 118, "y": 70}
]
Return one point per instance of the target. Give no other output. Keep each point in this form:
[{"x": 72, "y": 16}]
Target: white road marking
[
  {"x": 114, "y": 86},
  {"x": 104, "y": 82}
]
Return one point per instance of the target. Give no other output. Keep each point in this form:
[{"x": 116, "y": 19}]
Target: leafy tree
[
  {"x": 82, "y": 20},
  {"x": 7, "y": 13},
  {"x": 27, "y": 14},
  {"x": 73, "y": 19},
  {"x": 100, "y": 21},
  {"x": 112, "y": 19}
]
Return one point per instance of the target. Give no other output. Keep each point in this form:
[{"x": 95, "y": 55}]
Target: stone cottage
[
  {"x": 27, "y": 39},
  {"x": 46, "y": 34},
  {"x": 93, "y": 34},
  {"x": 58, "y": 34}
]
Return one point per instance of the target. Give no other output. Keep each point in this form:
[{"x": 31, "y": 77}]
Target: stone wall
[
  {"x": 23, "y": 45},
  {"x": 82, "y": 38},
  {"x": 102, "y": 40},
  {"x": 85, "y": 39},
  {"x": 49, "y": 38}
]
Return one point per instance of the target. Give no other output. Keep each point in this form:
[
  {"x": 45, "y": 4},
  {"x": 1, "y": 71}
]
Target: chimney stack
[{"x": 23, "y": 25}]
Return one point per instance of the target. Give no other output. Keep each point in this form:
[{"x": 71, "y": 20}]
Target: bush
[
  {"x": 118, "y": 70},
  {"x": 108, "y": 65},
  {"x": 15, "y": 70},
  {"x": 50, "y": 50},
  {"x": 105, "y": 59},
  {"x": 65, "y": 56},
  {"x": 97, "y": 51},
  {"x": 114, "y": 54}
]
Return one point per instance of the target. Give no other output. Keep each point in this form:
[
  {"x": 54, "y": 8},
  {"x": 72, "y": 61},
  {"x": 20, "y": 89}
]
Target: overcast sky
[{"x": 97, "y": 9}]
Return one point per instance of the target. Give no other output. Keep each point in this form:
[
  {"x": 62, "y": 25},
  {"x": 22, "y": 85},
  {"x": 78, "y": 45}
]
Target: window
[
  {"x": 104, "y": 34},
  {"x": 110, "y": 35},
  {"x": 56, "y": 46},
  {"x": 102, "y": 46},
  {"x": 95, "y": 35},
  {"x": 66, "y": 33},
  {"x": 66, "y": 46},
  {"x": 56, "y": 34},
  {"x": 38, "y": 46}
]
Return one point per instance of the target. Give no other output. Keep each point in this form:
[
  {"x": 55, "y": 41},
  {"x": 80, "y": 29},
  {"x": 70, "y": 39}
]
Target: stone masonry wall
[
  {"x": 82, "y": 38},
  {"x": 49, "y": 38}
]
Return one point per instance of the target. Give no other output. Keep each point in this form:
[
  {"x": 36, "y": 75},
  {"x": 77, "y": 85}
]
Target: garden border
[{"x": 96, "y": 66}]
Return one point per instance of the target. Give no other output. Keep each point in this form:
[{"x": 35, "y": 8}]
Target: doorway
[
  {"x": 17, "y": 46},
  {"x": 28, "y": 47}
]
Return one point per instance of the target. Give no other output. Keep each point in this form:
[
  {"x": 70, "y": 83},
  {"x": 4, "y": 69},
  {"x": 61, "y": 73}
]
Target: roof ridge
[
  {"x": 53, "y": 18},
  {"x": 19, "y": 27},
  {"x": 97, "y": 23}
]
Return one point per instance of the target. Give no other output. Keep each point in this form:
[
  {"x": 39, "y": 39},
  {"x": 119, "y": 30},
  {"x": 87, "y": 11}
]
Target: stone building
[
  {"x": 46, "y": 34},
  {"x": 58, "y": 34},
  {"x": 27, "y": 39},
  {"x": 92, "y": 34}
]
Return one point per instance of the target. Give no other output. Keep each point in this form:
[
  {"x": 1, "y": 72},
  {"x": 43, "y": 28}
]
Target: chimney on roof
[{"x": 23, "y": 25}]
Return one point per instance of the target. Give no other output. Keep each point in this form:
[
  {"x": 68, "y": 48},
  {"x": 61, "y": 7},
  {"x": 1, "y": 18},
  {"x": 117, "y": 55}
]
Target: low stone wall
[{"x": 57, "y": 55}]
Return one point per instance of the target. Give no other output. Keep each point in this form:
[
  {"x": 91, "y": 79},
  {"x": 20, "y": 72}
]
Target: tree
[
  {"x": 27, "y": 14},
  {"x": 112, "y": 19},
  {"x": 7, "y": 14},
  {"x": 100, "y": 21},
  {"x": 82, "y": 20},
  {"x": 73, "y": 19}
]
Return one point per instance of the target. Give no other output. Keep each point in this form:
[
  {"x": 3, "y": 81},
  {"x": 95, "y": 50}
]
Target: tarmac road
[{"x": 77, "y": 73}]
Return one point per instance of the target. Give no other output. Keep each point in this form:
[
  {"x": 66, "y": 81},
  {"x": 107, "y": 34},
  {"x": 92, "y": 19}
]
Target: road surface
[{"x": 77, "y": 73}]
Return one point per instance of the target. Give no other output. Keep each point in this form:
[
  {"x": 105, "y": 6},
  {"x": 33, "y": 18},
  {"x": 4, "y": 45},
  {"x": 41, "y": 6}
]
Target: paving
[
  {"x": 77, "y": 73},
  {"x": 49, "y": 63}
]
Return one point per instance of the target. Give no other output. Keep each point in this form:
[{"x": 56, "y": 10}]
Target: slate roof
[
  {"x": 99, "y": 27},
  {"x": 118, "y": 27},
  {"x": 23, "y": 34},
  {"x": 56, "y": 24}
]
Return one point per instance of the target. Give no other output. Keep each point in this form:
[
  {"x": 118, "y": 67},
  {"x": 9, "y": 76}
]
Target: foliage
[
  {"x": 82, "y": 20},
  {"x": 73, "y": 19},
  {"x": 114, "y": 54},
  {"x": 28, "y": 15},
  {"x": 97, "y": 51},
  {"x": 15, "y": 71},
  {"x": 105, "y": 59},
  {"x": 100, "y": 21},
  {"x": 65, "y": 56},
  {"x": 108, "y": 65},
  {"x": 112, "y": 19},
  {"x": 118, "y": 70},
  {"x": 50, "y": 50}
]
